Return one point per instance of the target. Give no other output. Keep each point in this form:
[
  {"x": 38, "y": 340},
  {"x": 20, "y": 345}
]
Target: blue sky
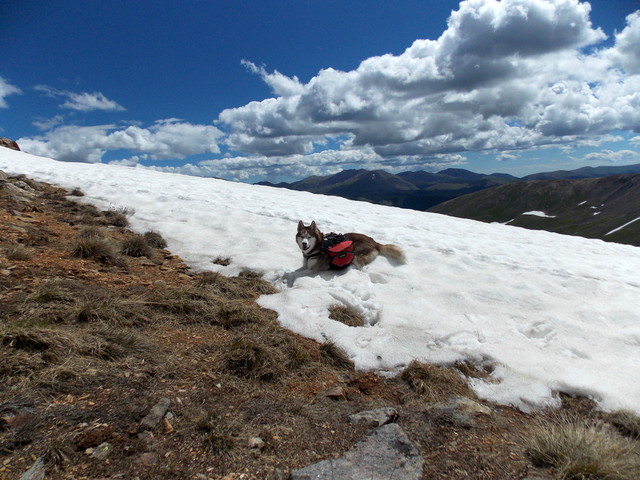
[{"x": 251, "y": 90}]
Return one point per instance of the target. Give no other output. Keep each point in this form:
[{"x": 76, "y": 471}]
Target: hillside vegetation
[
  {"x": 119, "y": 362},
  {"x": 607, "y": 208}
]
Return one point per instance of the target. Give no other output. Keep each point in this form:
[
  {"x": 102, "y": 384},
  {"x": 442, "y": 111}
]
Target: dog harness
[{"x": 339, "y": 250}]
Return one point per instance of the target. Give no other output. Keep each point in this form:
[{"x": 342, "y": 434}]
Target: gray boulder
[{"x": 386, "y": 454}]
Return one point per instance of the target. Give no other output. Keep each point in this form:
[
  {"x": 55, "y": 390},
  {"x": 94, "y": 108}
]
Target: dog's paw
[{"x": 288, "y": 279}]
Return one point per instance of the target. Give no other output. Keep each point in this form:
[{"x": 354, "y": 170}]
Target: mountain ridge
[
  {"x": 421, "y": 190},
  {"x": 606, "y": 208}
]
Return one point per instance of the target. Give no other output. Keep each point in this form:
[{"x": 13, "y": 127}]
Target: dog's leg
[{"x": 365, "y": 258}]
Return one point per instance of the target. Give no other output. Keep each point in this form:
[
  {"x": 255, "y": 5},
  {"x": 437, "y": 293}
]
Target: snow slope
[{"x": 549, "y": 312}]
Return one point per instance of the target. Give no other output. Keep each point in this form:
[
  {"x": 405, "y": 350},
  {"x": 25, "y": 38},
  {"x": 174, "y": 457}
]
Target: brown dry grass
[
  {"x": 347, "y": 315},
  {"x": 583, "y": 450}
]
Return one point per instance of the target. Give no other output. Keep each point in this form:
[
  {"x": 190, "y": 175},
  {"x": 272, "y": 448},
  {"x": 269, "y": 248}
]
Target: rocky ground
[{"x": 118, "y": 362}]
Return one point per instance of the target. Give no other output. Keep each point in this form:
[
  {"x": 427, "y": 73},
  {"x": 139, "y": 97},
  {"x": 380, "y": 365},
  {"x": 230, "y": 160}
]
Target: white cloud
[
  {"x": 504, "y": 75},
  {"x": 166, "y": 139},
  {"x": 298, "y": 166},
  {"x": 83, "y": 102},
  {"x": 626, "y": 55},
  {"x": 613, "y": 156},
  {"x": 48, "y": 123},
  {"x": 6, "y": 89}
]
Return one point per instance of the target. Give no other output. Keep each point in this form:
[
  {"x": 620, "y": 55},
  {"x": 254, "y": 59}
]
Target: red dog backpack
[{"x": 339, "y": 249}]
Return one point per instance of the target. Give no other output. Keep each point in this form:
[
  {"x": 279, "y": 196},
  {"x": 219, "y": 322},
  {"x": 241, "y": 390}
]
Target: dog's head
[{"x": 308, "y": 237}]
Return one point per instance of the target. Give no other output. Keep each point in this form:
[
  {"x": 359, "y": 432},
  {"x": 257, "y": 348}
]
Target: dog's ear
[
  {"x": 300, "y": 225},
  {"x": 313, "y": 225}
]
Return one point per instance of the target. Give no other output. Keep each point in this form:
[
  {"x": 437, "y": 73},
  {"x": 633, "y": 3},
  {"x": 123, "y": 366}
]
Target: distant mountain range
[
  {"x": 423, "y": 190},
  {"x": 593, "y": 202},
  {"x": 416, "y": 190}
]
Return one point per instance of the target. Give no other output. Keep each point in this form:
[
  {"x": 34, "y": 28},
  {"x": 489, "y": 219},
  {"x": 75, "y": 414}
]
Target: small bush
[
  {"x": 347, "y": 315},
  {"x": 333, "y": 355},
  {"x": 99, "y": 249},
  {"x": 76, "y": 192},
  {"x": 580, "y": 450},
  {"x": 155, "y": 240},
  {"x": 136, "y": 246},
  {"x": 91, "y": 232},
  {"x": 223, "y": 261},
  {"x": 433, "y": 382},
  {"x": 117, "y": 219}
]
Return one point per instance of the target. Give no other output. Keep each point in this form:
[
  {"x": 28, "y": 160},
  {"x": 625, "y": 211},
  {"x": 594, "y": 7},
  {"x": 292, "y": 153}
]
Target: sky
[
  {"x": 546, "y": 313},
  {"x": 252, "y": 90}
]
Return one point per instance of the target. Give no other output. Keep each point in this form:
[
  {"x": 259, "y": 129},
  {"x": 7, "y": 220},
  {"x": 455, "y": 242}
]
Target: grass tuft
[
  {"x": 116, "y": 218},
  {"x": 333, "y": 355},
  {"x": 626, "y": 421},
  {"x": 222, "y": 261},
  {"x": 98, "y": 249},
  {"x": 581, "y": 450},
  {"x": 347, "y": 315},
  {"x": 136, "y": 246},
  {"x": 434, "y": 383},
  {"x": 253, "y": 358},
  {"x": 155, "y": 240}
]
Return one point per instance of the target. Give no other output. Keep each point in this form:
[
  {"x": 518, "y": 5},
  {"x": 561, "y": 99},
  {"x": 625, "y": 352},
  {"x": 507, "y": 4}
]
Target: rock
[
  {"x": 3, "y": 176},
  {"x": 154, "y": 417},
  {"x": 36, "y": 472},
  {"x": 148, "y": 459},
  {"x": 256, "y": 442},
  {"x": 20, "y": 418},
  {"x": 147, "y": 439},
  {"x": 375, "y": 418},
  {"x": 385, "y": 453},
  {"x": 16, "y": 193},
  {"x": 337, "y": 393},
  {"x": 461, "y": 411},
  {"x": 102, "y": 451},
  {"x": 6, "y": 142}
]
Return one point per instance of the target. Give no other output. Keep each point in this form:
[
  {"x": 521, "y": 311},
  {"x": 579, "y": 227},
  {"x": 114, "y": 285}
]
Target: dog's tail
[{"x": 394, "y": 253}]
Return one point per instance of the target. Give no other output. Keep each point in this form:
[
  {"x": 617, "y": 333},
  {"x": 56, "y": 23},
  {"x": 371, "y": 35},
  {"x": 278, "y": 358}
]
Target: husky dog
[{"x": 319, "y": 250}]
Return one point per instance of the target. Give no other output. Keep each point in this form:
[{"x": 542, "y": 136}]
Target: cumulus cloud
[
  {"x": 326, "y": 162},
  {"x": 6, "y": 89},
  {"x": 83, "y": 102},
  {"x": 166, "y": 139},
  {"x": 613, "y": 156},
  {"x": 504, "y": 75}
]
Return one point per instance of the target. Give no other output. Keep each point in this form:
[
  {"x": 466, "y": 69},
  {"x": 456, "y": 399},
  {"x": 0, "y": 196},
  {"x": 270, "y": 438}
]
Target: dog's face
[{"x": 307, "y": 238}]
